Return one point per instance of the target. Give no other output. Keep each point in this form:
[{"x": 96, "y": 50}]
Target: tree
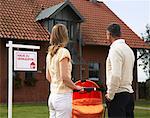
[{"x": 145, "y": 53}]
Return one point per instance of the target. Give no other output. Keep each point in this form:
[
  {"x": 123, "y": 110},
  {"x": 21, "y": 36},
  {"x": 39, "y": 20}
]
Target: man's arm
[{"x": 116, "y": 60}]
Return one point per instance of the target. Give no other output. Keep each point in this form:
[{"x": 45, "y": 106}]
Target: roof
[
  {"x": 18, "y": 21},
  {"x": 54, "y": 10},
  {"x": 46, "y": 13}
]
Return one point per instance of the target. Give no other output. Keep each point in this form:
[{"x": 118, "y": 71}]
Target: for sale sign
[{"x": 25, "y": 61}]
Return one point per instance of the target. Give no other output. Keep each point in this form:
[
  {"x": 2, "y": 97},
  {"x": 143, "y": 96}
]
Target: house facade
[{"x": 30, "y": 22}]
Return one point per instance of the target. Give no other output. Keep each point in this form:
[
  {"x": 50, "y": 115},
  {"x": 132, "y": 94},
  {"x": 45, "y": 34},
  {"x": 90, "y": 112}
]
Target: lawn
[
  {"x": 142, "y": 113},
  {"x": 41, "y": 110},
  {"x": 139, "y": 113},
  {"x": 26, "y": 111},
  {"x": 143, "y": 103}
]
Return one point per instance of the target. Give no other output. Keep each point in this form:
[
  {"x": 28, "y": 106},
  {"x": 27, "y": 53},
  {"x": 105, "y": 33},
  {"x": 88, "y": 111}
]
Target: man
[{"x": 119, "y": 75}]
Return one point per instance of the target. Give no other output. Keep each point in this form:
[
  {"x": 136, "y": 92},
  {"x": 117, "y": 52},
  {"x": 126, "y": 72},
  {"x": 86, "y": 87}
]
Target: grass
[
  {"x": 139, "y": 113},
  {"x": 142, "y": 113},
  {"x": 143, "y": 103},
  {"x": 26, "y": 111},
  {"x": 41, "y": 110}
]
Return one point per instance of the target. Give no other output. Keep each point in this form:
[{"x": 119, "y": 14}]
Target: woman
[{"x": 58, "y": 73}]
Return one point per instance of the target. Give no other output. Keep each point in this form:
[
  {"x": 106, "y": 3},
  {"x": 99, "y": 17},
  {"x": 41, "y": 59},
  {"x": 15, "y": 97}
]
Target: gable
[{"x": 61, "y": 11}]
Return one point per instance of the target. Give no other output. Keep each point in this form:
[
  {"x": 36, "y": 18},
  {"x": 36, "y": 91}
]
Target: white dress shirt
[{"x": 119, "y": 68}]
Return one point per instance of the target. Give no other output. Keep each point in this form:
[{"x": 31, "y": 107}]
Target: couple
[{"x": 119, "y": 71}]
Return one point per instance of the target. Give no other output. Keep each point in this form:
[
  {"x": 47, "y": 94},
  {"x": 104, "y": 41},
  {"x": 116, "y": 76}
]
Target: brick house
[{"x": 31, "y": 21}]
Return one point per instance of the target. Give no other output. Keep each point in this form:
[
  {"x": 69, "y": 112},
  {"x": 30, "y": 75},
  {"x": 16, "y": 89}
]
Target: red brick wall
[
  {"x": 3, "y": 71},
  {"x": 39, "y": 92},
  {"x": 96, "y": 54},
  {"x": 0, "y": 70},
  {"x": 99, "y": 54}
]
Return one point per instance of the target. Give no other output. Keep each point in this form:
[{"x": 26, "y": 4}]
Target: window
[
  {"x": 28, "y": 75},
  {"x": 71, "y": 31},
  {"x": 69, "y": 26},
  {"x": 61, "y": 22},
  {"x": 48, "y": 24},
  {"x": 93, "y": 71},
  {"x": 29, "y": 79}
]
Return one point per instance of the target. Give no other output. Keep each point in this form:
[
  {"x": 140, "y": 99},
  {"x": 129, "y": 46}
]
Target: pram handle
[{"x": 88, "y": 89}]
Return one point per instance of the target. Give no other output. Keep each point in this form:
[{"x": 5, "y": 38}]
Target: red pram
[{"x": 87, "y": 103}]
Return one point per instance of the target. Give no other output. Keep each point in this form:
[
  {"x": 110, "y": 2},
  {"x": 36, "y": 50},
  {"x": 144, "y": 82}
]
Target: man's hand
[{"x": 107, "y": 97}]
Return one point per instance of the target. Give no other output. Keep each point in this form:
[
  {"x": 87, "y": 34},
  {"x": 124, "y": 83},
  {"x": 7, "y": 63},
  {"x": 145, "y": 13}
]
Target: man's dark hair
[{"x": 115, "y": 30}]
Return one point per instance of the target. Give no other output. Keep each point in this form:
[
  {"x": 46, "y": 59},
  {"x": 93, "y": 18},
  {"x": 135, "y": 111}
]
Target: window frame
[
  {"x": 29, "y": 77},
  {"x": 95, "y": 70},
  {"x": 71, "y": 26}
]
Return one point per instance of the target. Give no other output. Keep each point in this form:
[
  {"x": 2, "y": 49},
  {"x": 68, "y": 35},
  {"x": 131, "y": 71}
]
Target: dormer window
[
  {"x": 64, "y": 13},
  {"x": 71, "y": 26}
]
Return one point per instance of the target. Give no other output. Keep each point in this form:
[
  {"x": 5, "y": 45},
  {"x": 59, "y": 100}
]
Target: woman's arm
[
  {"x": 65, "y": 74},
  {"x": 48, "y": 76}
]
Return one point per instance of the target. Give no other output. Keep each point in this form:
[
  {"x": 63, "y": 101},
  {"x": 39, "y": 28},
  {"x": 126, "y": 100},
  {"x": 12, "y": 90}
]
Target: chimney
[{"x": 93, "y": 1}]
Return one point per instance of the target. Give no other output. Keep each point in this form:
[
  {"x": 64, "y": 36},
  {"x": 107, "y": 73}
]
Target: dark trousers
[{"x": 122, "y": 106}]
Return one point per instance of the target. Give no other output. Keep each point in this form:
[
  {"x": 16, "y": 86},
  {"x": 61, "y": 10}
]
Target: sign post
[{"x": 10, "y": 45}]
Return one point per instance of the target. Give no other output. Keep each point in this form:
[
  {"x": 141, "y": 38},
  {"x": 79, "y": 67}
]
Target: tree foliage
[{"x": 145, "y": 53}]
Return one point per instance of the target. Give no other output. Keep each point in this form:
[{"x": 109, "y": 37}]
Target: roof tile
[{"x": 17, "y": 20}]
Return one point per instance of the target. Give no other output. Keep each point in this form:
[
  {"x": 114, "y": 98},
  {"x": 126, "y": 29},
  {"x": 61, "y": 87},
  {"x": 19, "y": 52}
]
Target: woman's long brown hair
[{"x": 59, "y": 38}]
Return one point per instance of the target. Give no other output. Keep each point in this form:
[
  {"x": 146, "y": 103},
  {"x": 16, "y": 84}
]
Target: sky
[{"x": 136, "y": 14}]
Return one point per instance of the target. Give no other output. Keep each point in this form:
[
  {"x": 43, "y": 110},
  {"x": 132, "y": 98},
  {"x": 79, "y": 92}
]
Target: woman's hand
[{"x": 79, "y": 88}]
